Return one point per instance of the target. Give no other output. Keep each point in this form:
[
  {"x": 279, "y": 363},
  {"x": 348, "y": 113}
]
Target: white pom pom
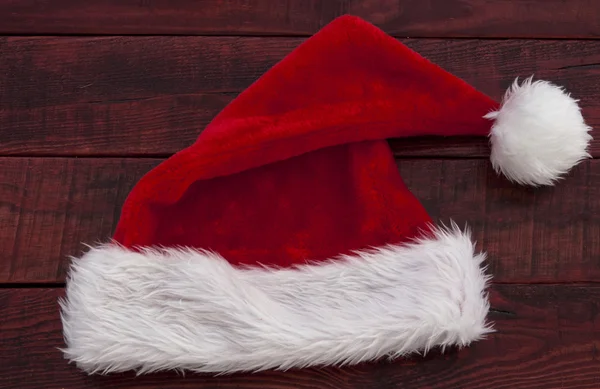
[{"x": 539, "y": 133}]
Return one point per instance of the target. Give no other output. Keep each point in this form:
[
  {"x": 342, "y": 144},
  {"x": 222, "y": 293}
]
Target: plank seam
[{"x": 291, "y": 35}]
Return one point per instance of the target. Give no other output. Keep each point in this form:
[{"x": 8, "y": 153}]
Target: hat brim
[{"x": 183, "y": 309}]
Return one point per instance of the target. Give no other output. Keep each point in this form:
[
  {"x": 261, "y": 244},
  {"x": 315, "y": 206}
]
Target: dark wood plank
[
  {"x": 530, "y": 235},
  {"x": 50, "y": 208},
  {"x": 131, "y": 96},
  {"x": 433, "y": 18},
  {"x": 53, "y": 205},
  {"x": 547, "y": 337}
]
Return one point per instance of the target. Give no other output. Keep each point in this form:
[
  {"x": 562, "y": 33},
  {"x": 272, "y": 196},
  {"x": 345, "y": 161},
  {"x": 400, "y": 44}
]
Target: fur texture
[
  {"x": 539, "y": 133},
  {"x": 191, "y": 310}
]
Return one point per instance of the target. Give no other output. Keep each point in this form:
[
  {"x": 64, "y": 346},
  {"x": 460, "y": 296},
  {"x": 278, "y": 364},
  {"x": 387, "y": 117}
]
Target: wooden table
[{"x": 95, "y": 93}]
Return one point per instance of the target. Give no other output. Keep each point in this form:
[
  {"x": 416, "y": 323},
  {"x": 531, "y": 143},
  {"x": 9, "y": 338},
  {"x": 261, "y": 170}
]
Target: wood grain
[
  {"x": 417, "y": 18},
  {"x": 50, "y": 206},
  {"x": 547, "y": 337},
  {"x": 152, "y": 96}
]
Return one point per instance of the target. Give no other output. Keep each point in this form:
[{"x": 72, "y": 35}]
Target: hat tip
[{"x": 538, "y": 134}]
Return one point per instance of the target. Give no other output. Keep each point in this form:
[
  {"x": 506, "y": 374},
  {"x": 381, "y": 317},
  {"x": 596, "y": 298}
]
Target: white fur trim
[
  {"x": 539, "y": 133},
  {"x": 189, "y": 310}
]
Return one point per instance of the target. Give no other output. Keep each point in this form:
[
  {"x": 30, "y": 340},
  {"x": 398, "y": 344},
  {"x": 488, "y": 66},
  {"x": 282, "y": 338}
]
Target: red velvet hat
[{"x": 284, "y": 236}]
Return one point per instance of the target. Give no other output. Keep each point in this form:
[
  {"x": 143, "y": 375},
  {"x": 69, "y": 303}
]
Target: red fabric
[
  {"x": 297, "y": 166},
  {"x": 314, "y": 206}
]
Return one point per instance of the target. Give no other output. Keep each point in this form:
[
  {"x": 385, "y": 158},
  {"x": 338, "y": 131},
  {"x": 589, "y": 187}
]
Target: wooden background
[{"x": 94, "y": 93}]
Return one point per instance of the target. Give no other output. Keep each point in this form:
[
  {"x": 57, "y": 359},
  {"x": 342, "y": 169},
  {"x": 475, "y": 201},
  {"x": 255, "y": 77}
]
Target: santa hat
[{"x": 284, "y": 237}]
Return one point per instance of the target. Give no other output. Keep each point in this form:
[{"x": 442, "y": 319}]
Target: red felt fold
[{"x": 297, "y": 166}]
